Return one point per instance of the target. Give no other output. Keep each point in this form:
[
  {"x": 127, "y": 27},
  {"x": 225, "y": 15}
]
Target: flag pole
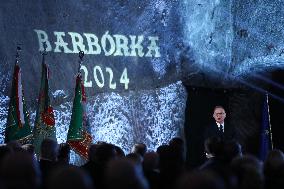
[
  {"x": 43, "y": 53},
  {"x": 270, "y": 130},
  {"x": 81, "y": 55},
  {"x": 18, "y": 54}
]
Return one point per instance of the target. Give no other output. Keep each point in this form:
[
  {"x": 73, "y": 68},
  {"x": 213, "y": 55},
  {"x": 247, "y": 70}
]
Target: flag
[
  {"x": 265, "y": 131},
  {"x": 44, "y": 126},
  {"x": 78, "y": 136},
  {"x": 17, "y": 126}
]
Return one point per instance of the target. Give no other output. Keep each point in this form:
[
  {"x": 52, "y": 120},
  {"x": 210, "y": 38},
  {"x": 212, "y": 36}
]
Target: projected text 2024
[{"x": 100, "y": 77}]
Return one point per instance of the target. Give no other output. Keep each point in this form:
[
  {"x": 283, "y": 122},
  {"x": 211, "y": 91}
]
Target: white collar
[{"x": 218, "y": 124}]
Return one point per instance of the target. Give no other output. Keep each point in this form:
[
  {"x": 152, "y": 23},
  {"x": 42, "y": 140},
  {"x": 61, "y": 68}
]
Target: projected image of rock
[
  {"x": 3, "y": 115},
  {"x": 151, "y": 117}
]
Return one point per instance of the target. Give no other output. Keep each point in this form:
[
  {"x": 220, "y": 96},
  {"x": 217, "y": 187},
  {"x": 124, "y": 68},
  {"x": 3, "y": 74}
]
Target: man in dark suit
[
  {"x": 47, "y": 159},
  {"x": 219, "y": 128}
]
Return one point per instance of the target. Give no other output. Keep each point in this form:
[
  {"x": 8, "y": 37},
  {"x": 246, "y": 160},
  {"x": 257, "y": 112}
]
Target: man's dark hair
[
  {"x": 140, "y": 148},
  {"x": 214, "y": 145},
  {"x": 49, "y": 149},
  {"x": 64, "y": 152}
]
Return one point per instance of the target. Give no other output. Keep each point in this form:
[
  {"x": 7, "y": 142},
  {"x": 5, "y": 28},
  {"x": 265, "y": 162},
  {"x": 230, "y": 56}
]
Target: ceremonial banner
[
  {"x": 17, "y": 127},
  {"x": 44, "y": 122},
  {"x": 78, "y": 136}
]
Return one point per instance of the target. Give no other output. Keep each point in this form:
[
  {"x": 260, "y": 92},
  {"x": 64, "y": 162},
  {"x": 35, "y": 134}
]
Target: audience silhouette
[{"x": 108, "y": 167}]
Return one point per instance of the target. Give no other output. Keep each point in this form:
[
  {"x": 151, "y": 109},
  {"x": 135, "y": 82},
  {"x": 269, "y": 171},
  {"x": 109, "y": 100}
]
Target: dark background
[{"x": 244, "y": 113}]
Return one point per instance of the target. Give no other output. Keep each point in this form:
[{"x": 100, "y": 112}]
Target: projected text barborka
[{"x": 108, "y": 45}]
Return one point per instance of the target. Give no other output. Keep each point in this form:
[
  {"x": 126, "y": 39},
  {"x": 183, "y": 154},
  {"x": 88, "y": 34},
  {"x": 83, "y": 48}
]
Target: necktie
[{"x": 221, "y": 128}]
